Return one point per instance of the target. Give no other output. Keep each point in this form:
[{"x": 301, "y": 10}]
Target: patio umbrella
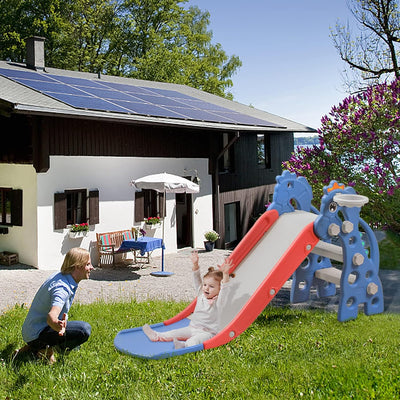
[{"x": 165, "y": 183}]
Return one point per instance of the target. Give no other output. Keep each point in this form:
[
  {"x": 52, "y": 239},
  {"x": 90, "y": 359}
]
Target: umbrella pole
[
  {"x": 163, "y": 224},
  {"x": 162, "y": 272}
]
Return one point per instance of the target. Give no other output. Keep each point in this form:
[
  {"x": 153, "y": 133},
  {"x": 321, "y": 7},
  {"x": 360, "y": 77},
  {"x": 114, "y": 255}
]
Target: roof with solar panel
[{"x": 61, "y": 92}]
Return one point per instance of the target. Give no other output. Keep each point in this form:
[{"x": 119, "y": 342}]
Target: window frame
[
  {"x": 227, "y": 161},
  {"x": 76, "y": 206},
  {"x": 149, "y": 203},
  {"x": 11, "y": 199},
  {"x": 67, "y": 207},
  {"x": 234, "y": 242},
  {"x": 263, "y": 156}
]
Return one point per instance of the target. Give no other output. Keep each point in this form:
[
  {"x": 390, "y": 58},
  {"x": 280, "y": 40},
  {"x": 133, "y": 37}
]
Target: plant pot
[
  {"x": 152, "y": 226},
  {"x": 77, "y": 235},
  {"x": 209, "y": 246}
]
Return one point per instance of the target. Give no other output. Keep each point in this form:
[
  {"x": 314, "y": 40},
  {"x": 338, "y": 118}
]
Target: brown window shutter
[
  {"x": 16, "y": 207},
  {"x": 139, "y": 206},
  {"x": 60, "y": 210},
  {"x": 161, "y": 204},
  {"x": 94, "y": 207}
]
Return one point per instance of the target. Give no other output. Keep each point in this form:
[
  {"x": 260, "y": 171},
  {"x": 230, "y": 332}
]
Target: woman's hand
[
  {"x": 63, "y": 324},
  {"x": 55, "y": 323}
]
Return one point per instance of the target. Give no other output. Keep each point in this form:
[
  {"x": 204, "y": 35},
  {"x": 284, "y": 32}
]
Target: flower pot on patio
[
  {"x": 209, "y": 246},
  {"x": 211, "y": 237}
]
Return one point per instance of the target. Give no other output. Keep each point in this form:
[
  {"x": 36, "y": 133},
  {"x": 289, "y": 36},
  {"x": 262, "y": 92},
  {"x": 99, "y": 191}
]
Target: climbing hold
[{"x": 347, "y": 227}]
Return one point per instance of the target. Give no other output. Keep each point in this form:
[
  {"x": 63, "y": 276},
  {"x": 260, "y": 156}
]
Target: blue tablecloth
[{"x": 144, "y": 244}]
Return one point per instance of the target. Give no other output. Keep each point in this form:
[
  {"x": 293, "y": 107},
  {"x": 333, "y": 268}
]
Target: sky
[{"x": 290, "y": 66}]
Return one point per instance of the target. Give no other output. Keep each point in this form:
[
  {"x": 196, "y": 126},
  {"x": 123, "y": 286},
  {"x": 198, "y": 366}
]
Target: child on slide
[{"x": 212, "y": 294}]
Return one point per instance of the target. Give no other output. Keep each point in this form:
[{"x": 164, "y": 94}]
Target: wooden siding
[
  {"x": 247, "y": 173},
  {"x": 17, "y": 139},
  {"x": 252, "y": 203},
  {"x": 94, "y": 138}
]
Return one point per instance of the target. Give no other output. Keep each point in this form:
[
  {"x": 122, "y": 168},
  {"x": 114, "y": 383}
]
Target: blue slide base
[{"x": 135, "y": 343}]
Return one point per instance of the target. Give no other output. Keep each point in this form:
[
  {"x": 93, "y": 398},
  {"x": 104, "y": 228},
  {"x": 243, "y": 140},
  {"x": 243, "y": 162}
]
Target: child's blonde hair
[
  {"x": 216, "y": 274},
  {"x": 76, "y": 257}
]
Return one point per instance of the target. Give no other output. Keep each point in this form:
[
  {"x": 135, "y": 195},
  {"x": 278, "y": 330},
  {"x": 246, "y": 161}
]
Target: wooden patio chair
[{"x": 108, "y": 245}]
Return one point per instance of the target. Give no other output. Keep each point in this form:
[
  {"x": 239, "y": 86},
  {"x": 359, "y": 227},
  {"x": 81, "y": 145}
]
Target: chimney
[{"x": 35, "y": 53}]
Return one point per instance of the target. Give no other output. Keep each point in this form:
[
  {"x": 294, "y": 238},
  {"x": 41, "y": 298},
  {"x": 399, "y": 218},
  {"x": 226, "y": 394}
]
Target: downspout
[{"x": 217, "y": 210}]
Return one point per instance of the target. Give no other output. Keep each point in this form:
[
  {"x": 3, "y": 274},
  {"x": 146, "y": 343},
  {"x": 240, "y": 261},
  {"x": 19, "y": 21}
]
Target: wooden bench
[{"x": 108, "y": 244}]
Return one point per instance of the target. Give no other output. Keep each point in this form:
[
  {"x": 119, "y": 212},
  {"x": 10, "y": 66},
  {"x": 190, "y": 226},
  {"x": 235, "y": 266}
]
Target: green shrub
[{"x": 389, "y": 251}]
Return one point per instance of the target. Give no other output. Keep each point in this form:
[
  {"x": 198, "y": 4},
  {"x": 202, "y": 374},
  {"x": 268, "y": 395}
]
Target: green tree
[
  {"x": 181, "y": 52},
  {"x": 145, "y": 39},
  {"x": 373, "y": 53},
  {"x": 360, "y": 147}
]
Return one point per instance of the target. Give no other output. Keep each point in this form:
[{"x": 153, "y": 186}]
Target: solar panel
[
  {"x": 101, "y": 95},
  {"x": 50, "y": 87},
  {"x": 127, "y": 88},
  {"x": 148, "y": 109},
  {"x": 107, "y": 94},
  {"x": 76, "y": 81},
  {"x": 90, "y": 103}
]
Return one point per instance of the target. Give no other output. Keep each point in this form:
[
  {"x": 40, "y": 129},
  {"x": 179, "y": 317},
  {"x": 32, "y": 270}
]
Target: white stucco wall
[
  {"x": 22, "y": 239},
  {"x": 112, "y": 176}
]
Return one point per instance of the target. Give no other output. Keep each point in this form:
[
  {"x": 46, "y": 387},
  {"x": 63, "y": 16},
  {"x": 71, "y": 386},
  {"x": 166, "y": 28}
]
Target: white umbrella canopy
[{"x": 166, "y": 183}]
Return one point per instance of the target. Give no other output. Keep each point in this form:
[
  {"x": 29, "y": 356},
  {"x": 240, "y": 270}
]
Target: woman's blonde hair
[{"x": 76, "y": 257}]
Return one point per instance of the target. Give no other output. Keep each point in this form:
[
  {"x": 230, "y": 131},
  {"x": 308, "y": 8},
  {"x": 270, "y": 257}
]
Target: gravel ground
[{"x": 19, "y": 283}]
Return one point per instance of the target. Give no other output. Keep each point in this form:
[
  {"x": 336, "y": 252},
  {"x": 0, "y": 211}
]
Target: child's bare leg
[
  {"x": 167, "y": 336},
  {"x": 178, "y": 344},
  {"x": 199, "y": 336},
  {"x": 150, "y": 333}
]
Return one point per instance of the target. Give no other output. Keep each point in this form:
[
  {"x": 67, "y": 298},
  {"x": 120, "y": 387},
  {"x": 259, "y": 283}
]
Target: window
[
  {"x": 263, "y": 151},
  {"x": 231, "y": 211},
  {"x": 226, "y": 162},
  {"x": 10, "y": 206},
  {"x": 76, "y": 207},
  {"x": 148, "y": 203}
]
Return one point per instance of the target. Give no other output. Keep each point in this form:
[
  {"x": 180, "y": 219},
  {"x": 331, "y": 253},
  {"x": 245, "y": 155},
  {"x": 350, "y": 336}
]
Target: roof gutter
[{"x": 142, "y": 119}]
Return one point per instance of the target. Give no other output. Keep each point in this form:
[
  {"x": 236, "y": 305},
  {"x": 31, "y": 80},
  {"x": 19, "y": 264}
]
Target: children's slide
[{"x": 263, "y": 261}]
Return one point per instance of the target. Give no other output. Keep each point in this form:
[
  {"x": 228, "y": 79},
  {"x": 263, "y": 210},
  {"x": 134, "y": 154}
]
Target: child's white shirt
[{"x": 206, "y": 315}]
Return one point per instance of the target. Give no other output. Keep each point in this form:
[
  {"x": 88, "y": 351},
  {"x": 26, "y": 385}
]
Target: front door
[{"x": 184, "y": 236}]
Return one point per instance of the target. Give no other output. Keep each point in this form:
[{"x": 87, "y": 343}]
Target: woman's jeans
[{"x": 77, "y": 332}]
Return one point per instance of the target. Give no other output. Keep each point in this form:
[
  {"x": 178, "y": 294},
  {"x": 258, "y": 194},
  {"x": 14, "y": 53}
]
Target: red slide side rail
[
  {"x": 262, "y": 225},
  {"x": 271, "y": 285}
]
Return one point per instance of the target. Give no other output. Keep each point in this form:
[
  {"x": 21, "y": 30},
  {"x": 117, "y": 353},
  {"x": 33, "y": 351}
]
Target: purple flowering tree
[{"x": 359, "y": 146}]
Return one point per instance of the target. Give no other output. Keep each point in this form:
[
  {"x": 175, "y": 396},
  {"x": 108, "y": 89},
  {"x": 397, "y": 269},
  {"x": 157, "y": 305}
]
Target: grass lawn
[{"x": 285, "y": 354}]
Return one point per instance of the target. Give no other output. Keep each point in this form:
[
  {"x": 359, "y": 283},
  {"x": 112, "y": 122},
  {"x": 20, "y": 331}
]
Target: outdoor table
[{"x": 144, "y": 244}]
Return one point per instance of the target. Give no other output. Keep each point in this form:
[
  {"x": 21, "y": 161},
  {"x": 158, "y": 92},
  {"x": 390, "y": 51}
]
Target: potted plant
[
  {"x": 78, "y": 230},
  {"x": 152, "y": 222},
  {"x": 211, "y": 237},
  {"x": 137, "y": 232}
]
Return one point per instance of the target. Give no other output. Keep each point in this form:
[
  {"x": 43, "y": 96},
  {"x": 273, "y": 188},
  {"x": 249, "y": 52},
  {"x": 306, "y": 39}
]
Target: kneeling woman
[{"x": 46, "y": 326}]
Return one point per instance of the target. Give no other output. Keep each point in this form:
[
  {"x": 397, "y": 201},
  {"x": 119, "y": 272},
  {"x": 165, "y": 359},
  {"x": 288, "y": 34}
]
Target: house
[{"x": 72, "y": 142}]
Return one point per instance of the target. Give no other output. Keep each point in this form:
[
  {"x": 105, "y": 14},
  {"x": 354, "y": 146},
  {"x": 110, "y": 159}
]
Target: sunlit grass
[{"x": 285, "y": 354}]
